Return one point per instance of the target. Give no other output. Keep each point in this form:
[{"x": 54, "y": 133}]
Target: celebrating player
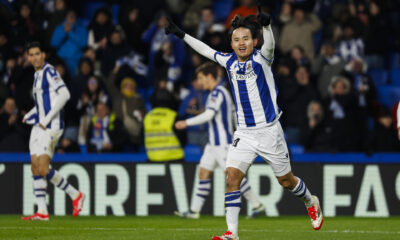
[
  {"x": 218, "y": 114},
  {"x": 259, "y": 131},
  {"x": 50, "y": 95}
]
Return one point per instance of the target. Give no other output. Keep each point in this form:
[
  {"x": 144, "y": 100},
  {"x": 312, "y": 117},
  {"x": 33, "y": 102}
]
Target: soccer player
[
  {"x": 259, "y": 131},
  {"x": 50, "y": 95},
  {"x": 219, "y": 115}
]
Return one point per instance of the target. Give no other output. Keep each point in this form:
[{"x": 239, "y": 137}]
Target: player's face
[
  {"x": 36, "y": 57},
  {"x": 243, "y": 43},
  {"x": 203, "y": 81}
]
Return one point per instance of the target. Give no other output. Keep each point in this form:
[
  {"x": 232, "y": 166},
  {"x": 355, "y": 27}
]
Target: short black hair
[
  {"x": 208, "y": 68},
  {"x": 249, "y": 22},
  {"x": 33, "y": 45}
]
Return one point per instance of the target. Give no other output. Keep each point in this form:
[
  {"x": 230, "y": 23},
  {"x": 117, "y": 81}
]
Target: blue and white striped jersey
[
  {"x": 47, "y": 83},
  {"x": 220, "y": 127},
  {"x": 253, "y": 88}
]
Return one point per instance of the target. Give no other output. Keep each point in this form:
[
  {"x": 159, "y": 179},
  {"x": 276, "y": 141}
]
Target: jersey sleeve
[
  {"x": 222, "y": 58},
  {"x": 54, "y": 79},
  {"x": 214, "y": 101}
]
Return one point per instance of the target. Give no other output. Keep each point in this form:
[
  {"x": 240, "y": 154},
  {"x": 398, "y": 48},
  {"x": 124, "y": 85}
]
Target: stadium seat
[
  {"x": 222, "y": 9},
  {"x": 90, "y": 8},
  {"x": 388, "y": 95},
  {"x": 395, "y": 77},
  {"x": 394, "y": 60},
  {"x": 379, "y": 76}
]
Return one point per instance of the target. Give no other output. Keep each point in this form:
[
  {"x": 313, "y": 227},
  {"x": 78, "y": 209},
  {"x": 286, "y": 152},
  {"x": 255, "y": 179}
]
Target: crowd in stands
[{"x": 336, "y": 66}]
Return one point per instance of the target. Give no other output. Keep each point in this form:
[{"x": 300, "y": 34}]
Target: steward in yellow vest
[{"x": 161, "y": 142}]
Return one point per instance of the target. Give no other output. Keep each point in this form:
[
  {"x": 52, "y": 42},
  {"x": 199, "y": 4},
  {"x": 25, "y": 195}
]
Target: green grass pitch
[{"x": 173, "y": 228}]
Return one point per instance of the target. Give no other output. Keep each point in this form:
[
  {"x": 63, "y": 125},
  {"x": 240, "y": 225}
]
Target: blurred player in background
[
  {"x": 259, "y": 131},
  {"x": 219, "y": 114},
  {"x": 50, "y": 95}
]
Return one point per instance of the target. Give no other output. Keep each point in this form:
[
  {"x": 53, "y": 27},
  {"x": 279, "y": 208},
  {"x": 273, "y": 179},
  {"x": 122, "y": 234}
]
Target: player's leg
[
  {"x": 39, "y": 186},
  {"x": 207, "y": 166},
  {"x": 245, "y": 188},
  {"x": 47, "y": 144},
  {"x": 203, "y": 190},
  {"x": 251, "y": 197},
  {"x": 298, "y": 188},
  {"x": 273, "y": 149},
  {"x": 39, "y": 183}
]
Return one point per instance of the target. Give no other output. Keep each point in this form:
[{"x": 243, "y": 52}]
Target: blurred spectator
[
  {"x": 384, "y": 137},
  {"x": 350, "y": 46},
  {"x": 315, "y": 133},
  {"x": 162, "y": 141},
  {"x": 21, "y": 82},
  {"x": 106, "y": 132},
  {"x": 356, "y": 71},
  {"x": 298, "y": 55},
  {"x": 25, "y": 27},
  {"x": 162, "y": 94},
  {"x": 165, "y": 62},
  {"x": 69, "y": 39},
  {"x": 67, "y": 145},
  {"x": 78, "y": 83},
  {"x": 285, "y": 15},
  {"x": 299, "y": 31},
  {"x": 100, "y": 29},
  {"x": 247, "y": 7},
  {"x": 6, "y": 50},
  {"x": 155, "y": 37},
  {"x": 398, "y": 119},
  {"x": 341, "y": 115},
  {"x": 192, "y": 105},
  {"x": 192, "y": 16},
  {"x": 206, "y": 21},
  {"x": 296, "y": 94},
  {"x": 133, "y": 27},
  {"x": 326, "y": 66},
  {"x": 376, "y": 38},
  {"x": 365, "y": 91},
  {"x": 90, "y": 53},
  {"x": 116, "y": 48},
  {"x": 13, "y": 134},
  {"x": 91, "y": 96},
  {"x": 55, "y": 18},
  {"x": 7, "y": 87},
  {"x": 128, "y": 106}
]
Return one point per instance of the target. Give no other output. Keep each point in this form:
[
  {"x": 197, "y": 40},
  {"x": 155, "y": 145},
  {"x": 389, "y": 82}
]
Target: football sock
[
  {"x": 58, "y": 180},
  {"x": 301, "y": 191},
  {"x": 232, "y": 207},
  {"x": 40, "y": 187},
  {"x": 247, "y": 192},
  {"x": 202, "y": 192}
]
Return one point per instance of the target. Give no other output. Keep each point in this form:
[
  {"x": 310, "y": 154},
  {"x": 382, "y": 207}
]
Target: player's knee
[
  {"x": 232, "y": 182},
  {"x": 43, "y": 171},
  {"x": 285, "y": 183}
]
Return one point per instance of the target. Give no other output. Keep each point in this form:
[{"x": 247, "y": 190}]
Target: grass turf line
[{"x": 173, "y": 228}]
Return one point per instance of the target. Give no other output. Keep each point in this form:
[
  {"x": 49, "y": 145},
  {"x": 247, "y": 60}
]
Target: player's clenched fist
[
  {"x": 180, "y": 125},
  {"x": 172, "y": 28},
  {"x": 263, "y": 18}
]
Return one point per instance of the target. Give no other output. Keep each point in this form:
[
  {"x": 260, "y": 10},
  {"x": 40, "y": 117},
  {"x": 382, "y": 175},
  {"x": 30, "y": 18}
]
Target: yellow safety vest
[{"x": 160, "y": 140}]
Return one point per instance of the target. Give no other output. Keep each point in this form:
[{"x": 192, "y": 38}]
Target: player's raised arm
[
  {"x": 194, "y": 43},
  {"x": 267, "y": 49}
]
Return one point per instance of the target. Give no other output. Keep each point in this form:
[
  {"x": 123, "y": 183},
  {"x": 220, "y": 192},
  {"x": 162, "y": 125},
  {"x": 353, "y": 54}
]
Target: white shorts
[
  {"x": 43, "y": 141},
  {"x": 214, "y": 155},
  {"x": 268, "y": 143}
]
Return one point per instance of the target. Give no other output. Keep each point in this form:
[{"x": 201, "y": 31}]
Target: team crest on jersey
[{"x": 248, "y": 66}]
